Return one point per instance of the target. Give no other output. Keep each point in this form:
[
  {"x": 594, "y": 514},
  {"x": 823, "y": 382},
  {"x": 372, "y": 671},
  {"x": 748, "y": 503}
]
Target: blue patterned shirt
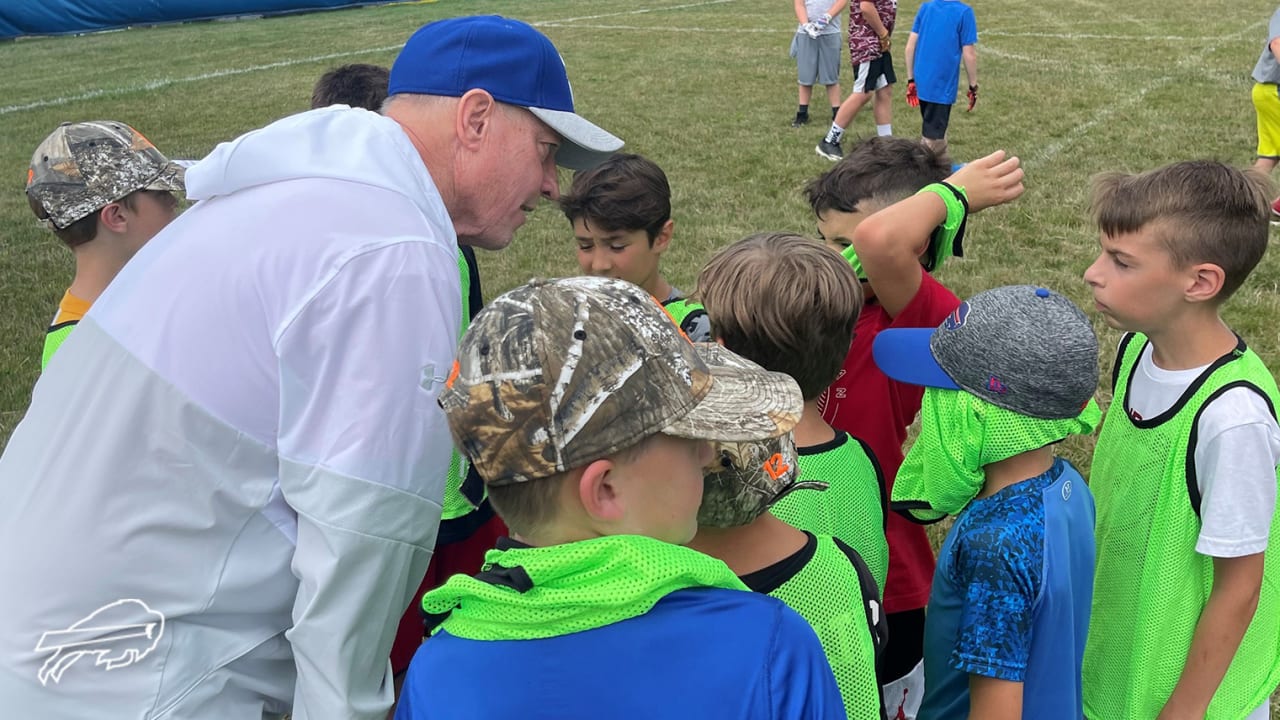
[{"x": 1011, "y": 597}]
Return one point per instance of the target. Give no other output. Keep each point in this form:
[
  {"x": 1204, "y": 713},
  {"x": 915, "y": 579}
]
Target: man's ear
[
  {"x": 476, "y": 113},
  {"x": 1205, "y": 281},
  {"x": 598, "y": 492},
  {"x": 112, "y": 217}
]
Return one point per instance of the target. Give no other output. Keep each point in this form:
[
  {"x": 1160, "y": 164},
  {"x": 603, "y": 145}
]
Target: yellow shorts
[{"x": 1266, "y": 103}]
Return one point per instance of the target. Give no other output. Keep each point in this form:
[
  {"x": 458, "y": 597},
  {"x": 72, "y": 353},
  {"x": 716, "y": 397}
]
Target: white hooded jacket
[{"x": 227, "y": 486}]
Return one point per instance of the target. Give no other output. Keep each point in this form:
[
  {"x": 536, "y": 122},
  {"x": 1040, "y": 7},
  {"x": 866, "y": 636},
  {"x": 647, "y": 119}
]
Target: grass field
[{"x": 705, "y": 88}]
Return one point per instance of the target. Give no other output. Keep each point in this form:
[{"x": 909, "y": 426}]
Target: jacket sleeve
[
  {"x": 363, "y": 449},
  {"x": 803, "y": 686}
]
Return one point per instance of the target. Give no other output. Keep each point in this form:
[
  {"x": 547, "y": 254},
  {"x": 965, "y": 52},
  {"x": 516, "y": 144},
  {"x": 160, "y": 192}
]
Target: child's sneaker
[
  {"x": 829, "y": 150},
  {"x": 801, "y": 120}
]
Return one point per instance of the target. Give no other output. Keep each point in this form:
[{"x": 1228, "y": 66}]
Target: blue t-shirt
[
  {"x": 1011, "y": 598},
  {"x": 698, "y": 653},
  {"x": 944, "y": 27}
]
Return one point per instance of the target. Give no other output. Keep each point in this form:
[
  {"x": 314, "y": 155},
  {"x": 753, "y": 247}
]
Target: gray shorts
[{"x": 817, "y": 61}]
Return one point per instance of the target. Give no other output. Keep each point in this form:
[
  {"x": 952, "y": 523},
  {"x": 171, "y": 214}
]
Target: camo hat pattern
[
  {"x": 81, "y": 167},
  {"x": 558, "y": 373}
]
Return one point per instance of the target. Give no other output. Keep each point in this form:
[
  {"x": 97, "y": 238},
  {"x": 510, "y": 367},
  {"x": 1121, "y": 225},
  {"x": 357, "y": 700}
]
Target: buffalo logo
[
  {"x": 119, "y": 634},
  {"x": 956, "y": 319},
  {"x": 996, "y": 385}
]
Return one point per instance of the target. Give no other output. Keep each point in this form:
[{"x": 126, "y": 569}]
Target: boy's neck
[
  {"x": 1013, "y": 470},
  {"x": 751, "y": 547},
  {"x": 812, "y": 429},
  {"x": 1193, "y": 341},
  {"x": 97, "y": 263},
  {"x": 660, "y": 288}
]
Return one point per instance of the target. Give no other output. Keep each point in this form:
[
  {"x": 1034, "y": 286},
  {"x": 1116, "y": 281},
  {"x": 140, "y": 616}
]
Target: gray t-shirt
[
  {"x": 1268, "y": 70},
  {"x": 815, "y": 8}
]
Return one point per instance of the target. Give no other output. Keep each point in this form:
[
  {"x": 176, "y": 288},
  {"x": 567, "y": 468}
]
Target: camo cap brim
[
  {"x": 558, "y": 373},
  {"x": 81, "y": 167}
]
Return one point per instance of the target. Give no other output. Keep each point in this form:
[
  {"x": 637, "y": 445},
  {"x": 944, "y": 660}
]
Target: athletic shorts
[
  {"x": 817, "y": 60},
  {"x": 934, "y": 119},
  {"x": 1266, "y": 104},
  {"x": 872, "y": 75}
]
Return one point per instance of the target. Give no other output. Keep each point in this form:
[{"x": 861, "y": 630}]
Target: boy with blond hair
[
  {"x": 620, "y": 212},
  {"x": 1186, "y": 611},
  {"x": 894, "y": 257},
  {"x": 789, "y": 303},
  {"x": 587, "y": 412}
]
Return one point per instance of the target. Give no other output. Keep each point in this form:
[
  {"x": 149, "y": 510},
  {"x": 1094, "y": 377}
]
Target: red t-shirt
[{"x": 865, "y": 403}]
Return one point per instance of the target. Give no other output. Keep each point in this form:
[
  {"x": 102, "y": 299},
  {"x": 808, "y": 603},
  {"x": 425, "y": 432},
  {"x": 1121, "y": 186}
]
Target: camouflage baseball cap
[
  {"x": 558, "y": 373},
  {"x": 81, "y": 167},
  {"x": 746, "y": 478}
]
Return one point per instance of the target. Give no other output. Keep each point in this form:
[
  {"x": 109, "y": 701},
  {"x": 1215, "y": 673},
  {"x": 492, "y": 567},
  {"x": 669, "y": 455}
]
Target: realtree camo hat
[
  {"x": 1020, "y": 347},
  {"x": 81, "y": 167},
  {"x": 558, "y": 373}
]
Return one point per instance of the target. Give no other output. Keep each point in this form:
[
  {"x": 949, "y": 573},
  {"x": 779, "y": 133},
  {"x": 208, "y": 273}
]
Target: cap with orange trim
[
  {"x": 558, "y": 373},
  {"x": 81, "y": 167}
]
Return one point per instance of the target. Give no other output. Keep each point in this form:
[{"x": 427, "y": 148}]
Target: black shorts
[
  {"x": 906, "y": 645},
  {"x": 935, "y": 117},
  {"x": 872, "y": 75}
]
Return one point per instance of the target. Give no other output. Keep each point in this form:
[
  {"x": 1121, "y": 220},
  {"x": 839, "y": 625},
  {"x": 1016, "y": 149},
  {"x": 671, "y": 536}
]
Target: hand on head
[{"x": 991, "y": 180}]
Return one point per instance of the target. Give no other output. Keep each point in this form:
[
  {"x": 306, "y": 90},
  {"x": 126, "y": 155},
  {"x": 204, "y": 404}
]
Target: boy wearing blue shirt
[
  {"x": 587, "y": 412},
  {"x": 1010, "y": 373},
  {"x": 943, "y": 34}
]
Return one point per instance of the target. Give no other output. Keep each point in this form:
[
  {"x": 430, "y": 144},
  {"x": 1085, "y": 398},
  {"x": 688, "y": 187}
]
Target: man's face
[
  {"x": 623, "y": 254},
  {"x": 515, "y": 168}
]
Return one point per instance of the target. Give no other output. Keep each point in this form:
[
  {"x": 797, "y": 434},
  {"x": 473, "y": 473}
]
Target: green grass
[{"x": 707, "y": 90}]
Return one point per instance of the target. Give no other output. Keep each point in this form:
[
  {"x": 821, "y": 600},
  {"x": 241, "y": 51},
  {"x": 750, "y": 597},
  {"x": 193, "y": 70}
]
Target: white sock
[
  {"x": 835, "y": 133},
  {"x": 884, "y": 130}
]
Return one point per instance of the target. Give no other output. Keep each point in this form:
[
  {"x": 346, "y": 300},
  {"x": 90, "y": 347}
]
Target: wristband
[{"x": 947, "y": 239}]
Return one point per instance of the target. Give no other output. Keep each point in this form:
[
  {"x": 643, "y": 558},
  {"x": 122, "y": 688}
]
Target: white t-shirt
[{"x": 1237, "y": 451}]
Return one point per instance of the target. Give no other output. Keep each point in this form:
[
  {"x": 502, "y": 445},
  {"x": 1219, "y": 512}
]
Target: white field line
[
  {"x": 1078, "y": 132},
  {"x": 640, "y": 11},
  {"x": 987, "y": 49},
  {"x": 1095, "y": 36},
  {"x": 775, "y": 30},
  {"x": 168, "y": 82}
]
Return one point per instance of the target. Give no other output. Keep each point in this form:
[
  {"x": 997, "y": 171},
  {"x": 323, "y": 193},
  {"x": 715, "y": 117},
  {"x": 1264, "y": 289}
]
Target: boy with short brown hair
[
  {"x": 587, "y": 413},
  {"x": 1186, "y": 611}
]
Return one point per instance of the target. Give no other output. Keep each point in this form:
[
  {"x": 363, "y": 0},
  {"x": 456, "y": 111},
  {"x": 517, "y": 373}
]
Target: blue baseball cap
[{"x": 511, "y": 61}]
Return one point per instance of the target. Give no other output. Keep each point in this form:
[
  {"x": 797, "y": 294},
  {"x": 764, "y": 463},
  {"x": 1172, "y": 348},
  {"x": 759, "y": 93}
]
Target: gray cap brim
[{"x": 585, "y": 144}]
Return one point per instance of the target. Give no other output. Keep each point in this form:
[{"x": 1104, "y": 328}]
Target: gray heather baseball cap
[
  {"x": 82, "y": 167},
  {"x": 1020, "y": 347},
  {"x": 558, "y": 373}
]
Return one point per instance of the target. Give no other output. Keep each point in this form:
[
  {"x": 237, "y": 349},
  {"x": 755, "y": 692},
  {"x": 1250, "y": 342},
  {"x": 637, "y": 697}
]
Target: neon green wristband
[{"x": 948, "y": 237}]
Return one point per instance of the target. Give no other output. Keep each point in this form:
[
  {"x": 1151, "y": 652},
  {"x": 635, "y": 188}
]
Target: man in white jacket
[{"x": 228, "y": 482}]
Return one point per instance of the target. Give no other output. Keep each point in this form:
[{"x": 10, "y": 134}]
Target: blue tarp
[{"x": 58, "y": 17}]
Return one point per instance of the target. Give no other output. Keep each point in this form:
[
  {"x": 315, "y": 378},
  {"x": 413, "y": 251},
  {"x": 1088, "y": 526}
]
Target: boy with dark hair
[
  {"x": 1186, "y": 612},
  {"x": 1009, "y": 374},
  {"x": 358, "y": 85},
  {"x": 788, "y": 303},
  {"x": 620, "y": 212},
  {"x": 894, "y": 262},
  {"x": 588, "y": 412},
  {"x": 870, "y": 28},
  {"x": 943, "y": 34},
  {"x": 104, "y": 190}
]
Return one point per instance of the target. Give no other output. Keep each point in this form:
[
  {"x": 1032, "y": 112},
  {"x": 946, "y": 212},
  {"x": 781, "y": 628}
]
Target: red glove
[
  {"x": 912, "y": 99},
  {"x": 973, "y": 97}
]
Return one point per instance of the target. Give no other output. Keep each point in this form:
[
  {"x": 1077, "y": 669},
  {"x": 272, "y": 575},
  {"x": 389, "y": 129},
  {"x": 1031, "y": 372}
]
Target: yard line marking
[
  {"x": 166, "y": 82},
  {"x": 543, "y": 23},
  {"x": 1078, "y": 132},
  {"x": 1045, "y": 60},
  {"x": 779, "y": 31},
  {"x": 1098, "y": 36}
]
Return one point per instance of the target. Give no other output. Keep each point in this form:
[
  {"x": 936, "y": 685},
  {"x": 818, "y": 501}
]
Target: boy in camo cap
[
  {"x": 587, "y": 412},
  {"x": 104, "y": 190},
  {"x": 1007, "y": 376}
]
